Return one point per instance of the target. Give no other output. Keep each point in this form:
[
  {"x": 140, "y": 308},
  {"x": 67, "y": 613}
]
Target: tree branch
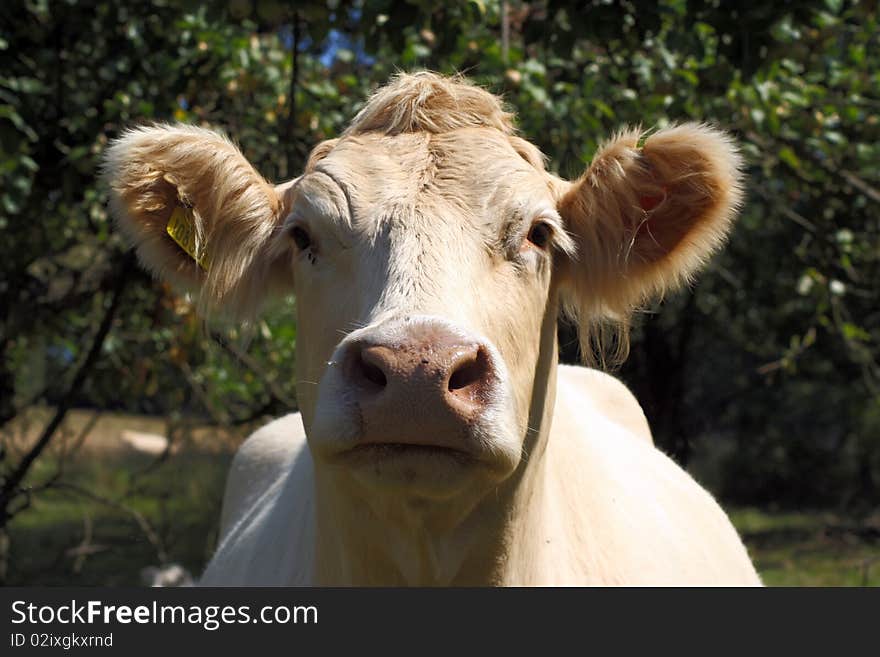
[
  {"x": 289, "y": 137},
  {"x": 139, "y": 518},
  {"x": 11, "y": 483},
  {"x": 251, "y": 363}
]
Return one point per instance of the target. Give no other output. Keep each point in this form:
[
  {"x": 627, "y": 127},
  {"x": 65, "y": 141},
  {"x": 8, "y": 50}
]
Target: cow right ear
[{"x": 198, "y": 215}]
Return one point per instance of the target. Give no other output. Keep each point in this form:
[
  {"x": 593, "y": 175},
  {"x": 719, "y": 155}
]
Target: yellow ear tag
[{"x": 181, "y": 228}]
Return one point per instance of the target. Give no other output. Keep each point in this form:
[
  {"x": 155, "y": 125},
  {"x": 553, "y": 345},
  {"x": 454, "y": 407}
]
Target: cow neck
[{"x": 495, "y": 539}]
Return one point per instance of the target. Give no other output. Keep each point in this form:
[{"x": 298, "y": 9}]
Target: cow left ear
[{"x": 646, "y": 218}]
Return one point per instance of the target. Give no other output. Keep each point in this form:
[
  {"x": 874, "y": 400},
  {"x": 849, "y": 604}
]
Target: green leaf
[
  {"x": 853, "y": 332},
  {"x": 788, "y": 156}
]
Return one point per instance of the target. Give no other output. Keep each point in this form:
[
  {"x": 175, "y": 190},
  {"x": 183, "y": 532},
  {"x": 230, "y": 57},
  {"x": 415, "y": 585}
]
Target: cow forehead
[{"x": 471, "y": 175}]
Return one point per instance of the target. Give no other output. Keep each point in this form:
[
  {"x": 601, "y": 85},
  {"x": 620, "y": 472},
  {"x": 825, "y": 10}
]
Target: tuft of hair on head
[
  {"x": 646, "y": 219},
  {"x": 428, "y": 102}
]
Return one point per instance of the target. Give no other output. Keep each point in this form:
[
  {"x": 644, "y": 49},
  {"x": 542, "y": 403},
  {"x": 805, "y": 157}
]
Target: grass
[
  {"x": 69, "y": 537},
  {"x": 118, "y": 509},
  {"x": 810, "y": 548},
  {"x": 93, "y": 533}
]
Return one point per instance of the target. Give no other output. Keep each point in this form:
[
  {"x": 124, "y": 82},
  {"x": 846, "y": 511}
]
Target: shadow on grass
[{"x": 68, "y": 538}]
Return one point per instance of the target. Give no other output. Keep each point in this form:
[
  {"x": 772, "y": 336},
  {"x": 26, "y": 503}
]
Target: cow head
[{"x": 430, "y": 252}]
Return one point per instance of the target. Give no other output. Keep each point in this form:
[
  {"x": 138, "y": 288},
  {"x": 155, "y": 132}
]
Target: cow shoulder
[
  {"x": 267, "y": 535},
  {"x": 263, "y": 458},
  {"x": 609, "y": 396},
  {"x": 633, "y": 516}
]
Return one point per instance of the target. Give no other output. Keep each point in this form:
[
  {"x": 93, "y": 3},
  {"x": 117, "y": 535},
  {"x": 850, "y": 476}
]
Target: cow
[{"x": 431, "y": 253}]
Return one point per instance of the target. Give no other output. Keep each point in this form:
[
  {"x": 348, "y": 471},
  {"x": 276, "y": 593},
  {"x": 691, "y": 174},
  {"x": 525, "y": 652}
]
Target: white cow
[{"x": 439, "y": 442}]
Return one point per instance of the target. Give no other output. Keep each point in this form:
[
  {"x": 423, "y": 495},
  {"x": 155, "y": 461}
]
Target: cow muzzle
[{"x": 415, "y": 390}]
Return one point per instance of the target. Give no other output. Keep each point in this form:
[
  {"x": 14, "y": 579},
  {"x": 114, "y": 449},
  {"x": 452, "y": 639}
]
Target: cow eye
[
  {"x": 301, "y": 238},
  {"x": 539, "y": 234}
]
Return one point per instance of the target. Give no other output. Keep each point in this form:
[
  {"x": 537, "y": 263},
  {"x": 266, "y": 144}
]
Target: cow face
[
  {"x": 429, "y": 251},
  {"x": 423, "y": 266}
]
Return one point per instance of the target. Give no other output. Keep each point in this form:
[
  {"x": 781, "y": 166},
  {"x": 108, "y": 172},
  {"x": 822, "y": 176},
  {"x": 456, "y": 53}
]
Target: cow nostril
[
  {"x": 470, "y": 373},
  {"x": 367, "y": 367},
  {"x": 373, "y": 374}
]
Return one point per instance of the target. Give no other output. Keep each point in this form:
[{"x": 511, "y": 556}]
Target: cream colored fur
[
  {"x": 632, "y": 525},
  {"x": 689, "y": 176},
  {"x": 421, "y": 212},
  {"x": 151, "y": 170}
]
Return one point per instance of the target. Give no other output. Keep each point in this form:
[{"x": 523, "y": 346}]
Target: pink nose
[{"x": 425, "y": 389}]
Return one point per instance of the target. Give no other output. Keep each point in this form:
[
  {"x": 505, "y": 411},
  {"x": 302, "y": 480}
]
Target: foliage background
[{"x": 763, "y": 380}]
